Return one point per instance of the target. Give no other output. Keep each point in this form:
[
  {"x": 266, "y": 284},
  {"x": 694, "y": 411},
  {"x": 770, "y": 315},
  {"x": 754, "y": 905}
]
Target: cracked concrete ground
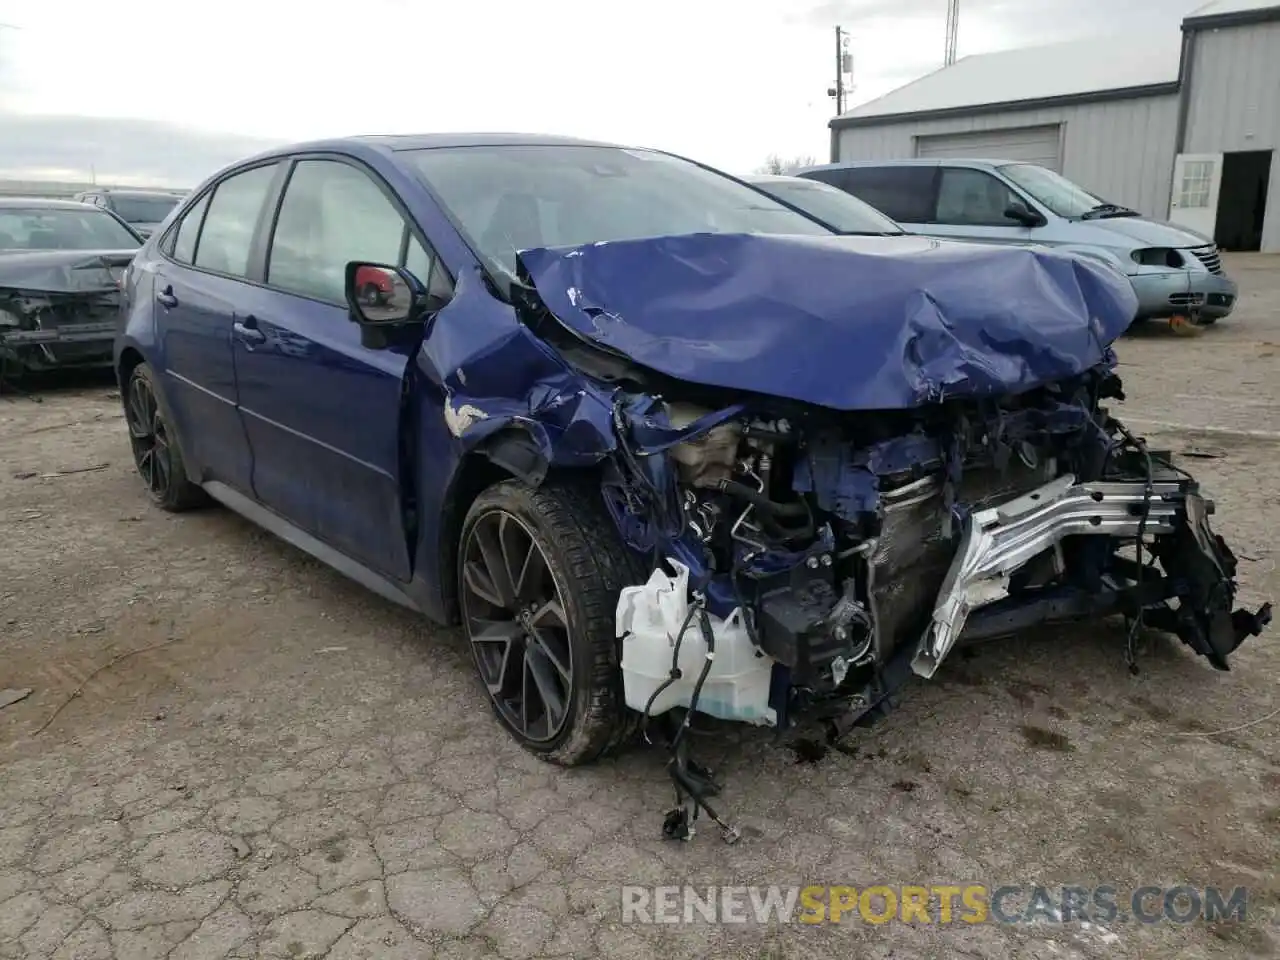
[{"x": 294, "y": 768}]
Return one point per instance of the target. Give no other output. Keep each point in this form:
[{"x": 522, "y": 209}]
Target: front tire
[
  {"x": 155, "y": 449},
  {"x": 539, "y": 572}
]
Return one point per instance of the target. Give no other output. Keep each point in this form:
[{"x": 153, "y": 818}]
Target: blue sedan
[{"x": 662, "y": 443}]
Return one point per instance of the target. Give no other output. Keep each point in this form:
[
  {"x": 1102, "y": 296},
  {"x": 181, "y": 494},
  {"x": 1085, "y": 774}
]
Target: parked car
[
  {"x": 373, "y": 285},
  {"x": 842, "y": 212},
  {"x": 661, "y": 444},
  {"x": 1174, "y": 271},
  {"x": 143, "y": 210},
  {"x": 61, "y": 264}
]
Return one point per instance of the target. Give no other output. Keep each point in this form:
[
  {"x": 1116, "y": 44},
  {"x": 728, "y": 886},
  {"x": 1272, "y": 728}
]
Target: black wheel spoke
[
  {"x": 161, "y": 451},
  {"x": 476, "y": 578},
  {"x": 495, "y": 564},
  {"x": 516, "y": 622},
  {"x": 547, "y": 647},
  {"x": 508, "y": 683},
  {"x": 550, "y": 614},
  {"x": 495, "y": 631},
  {"x": 517, "y": 550},
  {"x": 531, "y": 574},
  {"x": 151, "y": 451},
  {"x": 139, "y": 418},
  {"x": 547, "y": 692},
  {"x": 147, "y": 467}
]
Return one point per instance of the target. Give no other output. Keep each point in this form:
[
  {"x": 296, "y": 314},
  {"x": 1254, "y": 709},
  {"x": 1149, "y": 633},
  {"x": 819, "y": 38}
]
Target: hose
[{"x": 741, "y": 491}]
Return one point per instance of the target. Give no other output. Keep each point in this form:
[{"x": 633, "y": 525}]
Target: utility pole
[
  {"x": 953, "y": 28},
  {"x": 839, "y": 72},
  {"x": 844, "y": 65}
]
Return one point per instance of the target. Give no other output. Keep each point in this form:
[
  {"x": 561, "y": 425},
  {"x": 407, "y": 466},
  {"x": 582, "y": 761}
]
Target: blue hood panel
[{"x": 850, "y": 323}]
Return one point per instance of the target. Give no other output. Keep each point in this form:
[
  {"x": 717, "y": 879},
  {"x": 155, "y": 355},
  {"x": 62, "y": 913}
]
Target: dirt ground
[{"x": 292, "y": 767}]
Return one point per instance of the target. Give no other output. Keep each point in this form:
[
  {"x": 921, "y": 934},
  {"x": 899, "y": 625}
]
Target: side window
[
  {"x": 973, "y": 198},
  {"x": 230, "y": 221},
  {"x": 428, "y": 269},
  {"x": 334, "y": 213},
  {"x": 184, "y": 242},
  {"x": 901, "y": 193}
]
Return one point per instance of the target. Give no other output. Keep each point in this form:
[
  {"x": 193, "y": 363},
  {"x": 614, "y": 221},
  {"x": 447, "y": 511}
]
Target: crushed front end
[
  {"x": 805, "y": 565},
  {"x": 59, "y": 309},
  {"x": 841, "y": 459}
]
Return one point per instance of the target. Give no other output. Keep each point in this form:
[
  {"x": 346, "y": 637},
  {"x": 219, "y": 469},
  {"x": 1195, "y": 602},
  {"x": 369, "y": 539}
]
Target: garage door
[{"x": 1029, "y": 144}]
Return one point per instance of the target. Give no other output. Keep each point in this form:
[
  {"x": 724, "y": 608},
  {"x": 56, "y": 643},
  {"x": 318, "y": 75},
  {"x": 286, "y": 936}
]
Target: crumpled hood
[
  {"x": 1150, "y": 233},
  {"x": 61, "y": 271},
  {"x": 851, "y": 323}
]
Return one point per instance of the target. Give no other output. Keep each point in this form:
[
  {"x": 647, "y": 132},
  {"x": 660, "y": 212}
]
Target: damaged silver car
[{"x": 61, "y": 267}]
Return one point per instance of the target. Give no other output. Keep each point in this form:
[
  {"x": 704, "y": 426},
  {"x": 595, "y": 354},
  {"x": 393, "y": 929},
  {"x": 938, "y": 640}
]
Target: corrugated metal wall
[
  {"x": 1235, "y": 103},
  {"x": 1122, "y": 149}
]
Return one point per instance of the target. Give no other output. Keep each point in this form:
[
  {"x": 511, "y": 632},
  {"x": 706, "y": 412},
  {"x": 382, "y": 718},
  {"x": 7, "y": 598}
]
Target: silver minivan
[{"x": 1174, "y": 271}]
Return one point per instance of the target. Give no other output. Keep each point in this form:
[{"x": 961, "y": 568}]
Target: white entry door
[{"x": 1197, "y": 178}]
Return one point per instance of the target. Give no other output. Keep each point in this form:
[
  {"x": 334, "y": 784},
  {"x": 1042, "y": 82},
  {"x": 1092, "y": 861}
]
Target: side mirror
[
  {"x": 383, "y": 296},
  {"x": 1019, "y": 211}
]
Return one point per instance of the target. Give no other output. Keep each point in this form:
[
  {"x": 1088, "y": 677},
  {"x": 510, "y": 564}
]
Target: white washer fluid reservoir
[{"x": 649, "y": 618}]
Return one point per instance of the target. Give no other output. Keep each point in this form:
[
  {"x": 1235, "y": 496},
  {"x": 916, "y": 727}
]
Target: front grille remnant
[{"x": 1210, "y": 257}]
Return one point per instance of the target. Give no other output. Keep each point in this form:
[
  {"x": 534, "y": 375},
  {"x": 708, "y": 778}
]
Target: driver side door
[
  {"x": 324, "y": 413},
  {"x": 971, "y": 205}
]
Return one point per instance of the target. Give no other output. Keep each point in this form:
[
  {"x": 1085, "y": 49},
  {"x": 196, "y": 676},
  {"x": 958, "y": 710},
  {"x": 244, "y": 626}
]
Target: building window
[{"x": 1197, "y": 180}]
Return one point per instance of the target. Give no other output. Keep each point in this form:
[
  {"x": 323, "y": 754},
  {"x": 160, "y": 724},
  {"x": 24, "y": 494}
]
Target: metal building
[{"x": 1181, "y": 125}]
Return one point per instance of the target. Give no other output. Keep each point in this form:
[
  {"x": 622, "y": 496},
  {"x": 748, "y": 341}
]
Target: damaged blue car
[{"x": 662, "y": 444}]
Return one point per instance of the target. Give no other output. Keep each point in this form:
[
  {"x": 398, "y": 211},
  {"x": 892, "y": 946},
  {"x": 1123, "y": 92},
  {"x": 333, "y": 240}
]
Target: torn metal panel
[
  {"x": 849, "y": 323},
  {"x": 501, "y": 376},
  {"x": 63, "y": 271}
]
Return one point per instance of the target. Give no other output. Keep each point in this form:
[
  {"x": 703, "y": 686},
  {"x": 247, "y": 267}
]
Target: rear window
[
  {"x": 50, "y": 228},
  {"x": 904, "y": 194},
  {"x": 143, "y": 209}
]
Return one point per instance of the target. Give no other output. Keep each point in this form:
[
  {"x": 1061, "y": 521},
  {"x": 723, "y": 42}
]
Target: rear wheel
[
  {"x": 538, "y": 578},
  {"x": 155, "y": 450}
]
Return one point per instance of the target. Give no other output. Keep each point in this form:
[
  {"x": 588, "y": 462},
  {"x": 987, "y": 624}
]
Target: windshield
[
  {"x": 1055, "y": 191},
  {"x": 50, "y": 228},
  {"x": 515, "y": 197},
  {"x": 142, "y": 209},
  {"x": 837, "y": 209}
]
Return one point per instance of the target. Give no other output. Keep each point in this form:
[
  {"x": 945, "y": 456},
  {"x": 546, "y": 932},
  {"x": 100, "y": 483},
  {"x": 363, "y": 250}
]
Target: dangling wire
[{"x": 1137, "y": 623}]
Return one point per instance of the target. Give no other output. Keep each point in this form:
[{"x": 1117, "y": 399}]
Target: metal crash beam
[{"x": 998, "y": 541}]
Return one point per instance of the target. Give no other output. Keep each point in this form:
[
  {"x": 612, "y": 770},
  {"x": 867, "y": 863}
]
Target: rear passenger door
[
  {"x": 208, "y": 263},
  {"x": 324, "y": 413},
  {"x": 971, "y": 205}
]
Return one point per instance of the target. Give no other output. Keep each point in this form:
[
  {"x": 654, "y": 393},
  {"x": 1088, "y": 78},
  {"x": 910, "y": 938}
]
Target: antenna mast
[{"x": 953, "y": 27}]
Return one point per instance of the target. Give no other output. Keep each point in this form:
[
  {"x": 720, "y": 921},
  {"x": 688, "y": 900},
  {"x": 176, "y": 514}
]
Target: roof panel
[
  {"x": 1036, "y": 73},
  {"x": 1224, "y": 7}
]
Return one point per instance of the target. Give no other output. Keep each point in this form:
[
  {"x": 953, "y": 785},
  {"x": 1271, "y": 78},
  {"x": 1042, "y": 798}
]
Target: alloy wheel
[
  {"x": 149, "y": 438},
  {"x": 514, "y": 615}
]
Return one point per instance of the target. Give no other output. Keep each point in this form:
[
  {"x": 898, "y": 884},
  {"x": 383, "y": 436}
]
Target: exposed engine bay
[{"x": 806, "y": 562}]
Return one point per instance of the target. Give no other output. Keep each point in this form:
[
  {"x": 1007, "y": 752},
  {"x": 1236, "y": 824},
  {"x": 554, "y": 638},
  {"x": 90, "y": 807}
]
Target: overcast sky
[{"x": 154, "y": 90}]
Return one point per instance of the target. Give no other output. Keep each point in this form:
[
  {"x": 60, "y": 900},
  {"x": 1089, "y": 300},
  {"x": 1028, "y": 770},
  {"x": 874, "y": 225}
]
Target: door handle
[
  {"x": 166, "y": 298},
  {"x": 247, "y": 330}
]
